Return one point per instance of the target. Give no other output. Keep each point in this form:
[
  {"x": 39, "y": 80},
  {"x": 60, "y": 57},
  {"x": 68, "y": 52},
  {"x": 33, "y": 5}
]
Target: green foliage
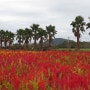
[
  {"x": 65, "y": 44},
  {"x": 42, "y": 38},
  {"x": 16, "y": 47}
]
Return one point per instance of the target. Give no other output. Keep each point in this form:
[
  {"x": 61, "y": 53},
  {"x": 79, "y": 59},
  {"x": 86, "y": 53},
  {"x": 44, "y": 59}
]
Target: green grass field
[{"x": 82, "y": 49}]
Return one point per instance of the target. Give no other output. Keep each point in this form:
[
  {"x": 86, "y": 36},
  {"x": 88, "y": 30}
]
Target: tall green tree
[
  {"x": 11, "y": 36},
  {"x": 51, "y": 34},
  {"x": 2, "y": 33},
  {"x": 42, "y": 35},
  {"x": 6, "y": 38},
  {"x": 27, "y": 36},
  {"x": 20, "y": 36},
  {"x": 35, "y": 28},
  {"x": 78, "y": 27}
]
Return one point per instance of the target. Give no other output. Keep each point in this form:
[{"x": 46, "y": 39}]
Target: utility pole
[{"x": 68, "y": 42}]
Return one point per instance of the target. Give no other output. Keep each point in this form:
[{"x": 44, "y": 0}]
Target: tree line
[
  {"x": 36, "y": 33},
  {"x": 25, "y": 36}
]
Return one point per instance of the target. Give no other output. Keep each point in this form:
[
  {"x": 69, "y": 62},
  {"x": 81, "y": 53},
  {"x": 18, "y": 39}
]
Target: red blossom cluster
[{"x": 44, "y": 70}]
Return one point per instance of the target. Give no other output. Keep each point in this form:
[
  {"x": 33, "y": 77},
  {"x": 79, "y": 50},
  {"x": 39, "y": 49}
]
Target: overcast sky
[{"x": 16, "y": 14}]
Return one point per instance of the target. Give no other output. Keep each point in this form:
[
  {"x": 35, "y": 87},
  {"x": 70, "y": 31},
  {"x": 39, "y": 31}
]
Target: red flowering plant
[{"x": 48, "y": 70}]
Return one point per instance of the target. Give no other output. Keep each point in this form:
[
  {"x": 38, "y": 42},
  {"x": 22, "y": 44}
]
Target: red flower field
[{"x": 44, "y": 70}]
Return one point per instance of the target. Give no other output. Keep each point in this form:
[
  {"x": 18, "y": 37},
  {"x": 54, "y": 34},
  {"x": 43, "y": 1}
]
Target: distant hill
[{"x": 58, "y": 41}]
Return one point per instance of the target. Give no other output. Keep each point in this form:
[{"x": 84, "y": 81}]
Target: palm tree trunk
[
  {"x": 5, "y": 43},
  {"x": 0, "y": 43},
  {"x": 26, "y": 46},
  {"x": 41, "y": 43},
  {"x": 26, "y": 43},
  {"x": 19, "y": 41},
  {"x": 35, "y": 42},
  {"x": 78, "y": 42},
  {"x": 50, "y": 41},
  {"x": 10, "y": 45}
]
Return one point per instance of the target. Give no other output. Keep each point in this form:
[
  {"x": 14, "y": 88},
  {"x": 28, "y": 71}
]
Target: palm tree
[
  {"x": 78, "y": 27},
  {"x": 2, "y": 32},
  {"x": 51, "y": 33},
  {"x": 42, "y": 35},
  {"x": 27, "y": 36},
  {"x": 20, "y": 36},
  {"x": 6, "y": 38},
  {"x": 88, "y": 26},
  {"x": 11, "y": 38},
  {"x": 34, "y": 28}
]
